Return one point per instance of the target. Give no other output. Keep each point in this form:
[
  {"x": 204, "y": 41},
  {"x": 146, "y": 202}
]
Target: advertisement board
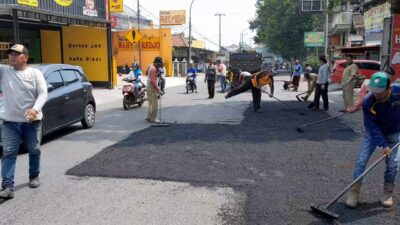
[
  {"x": 33, "y": 3},
  {"x": 116, "y": 5},
  {"x": 373, "y": 18},
  {"x": 395, "y": 53},
  {"x": 86, "y": 47},
  {"x": 314, "y": 39},
  {"x": 172, "y": 17}
]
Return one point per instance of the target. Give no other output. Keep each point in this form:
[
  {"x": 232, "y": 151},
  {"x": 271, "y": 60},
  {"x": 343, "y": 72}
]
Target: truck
[{"x": 244, "y": 61}]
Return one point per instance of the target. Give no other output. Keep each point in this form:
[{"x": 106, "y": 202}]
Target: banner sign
[
  {"x": 172, "y": 17},
  {"x": 116, "y": 6},
  {"x": 86, "y": 47},
  {"x": 33, "y": 3},
  {"x": 395, "y": 53},
  {"x": 90, "y": 8},
  {"x": 373, "y": 18},
  {"x": 64, "y": 3},
  {"x": 146, "y": 44},
  {"x": 314, "y": 39}
]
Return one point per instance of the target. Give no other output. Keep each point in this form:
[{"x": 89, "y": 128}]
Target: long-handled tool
[
  {"x": 160, "y": 123},
  {"x": 323, "y": 210},
  {"x": 301, "y": 130},
  {"x": 287, "y": 104},
  {"x": 297, "y": 96}
]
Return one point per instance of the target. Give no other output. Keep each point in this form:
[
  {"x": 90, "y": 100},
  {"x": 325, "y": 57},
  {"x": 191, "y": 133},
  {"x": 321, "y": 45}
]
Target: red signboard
[{"x": 395, "y": 56}]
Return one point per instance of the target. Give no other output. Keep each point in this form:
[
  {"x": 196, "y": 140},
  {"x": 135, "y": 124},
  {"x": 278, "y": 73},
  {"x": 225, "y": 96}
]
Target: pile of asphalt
[{"x": 281, "y": 171}]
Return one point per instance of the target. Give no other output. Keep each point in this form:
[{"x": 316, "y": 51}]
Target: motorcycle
[
  {"x": 190, "y": 84},
  {"x": 131, "y": 95}
]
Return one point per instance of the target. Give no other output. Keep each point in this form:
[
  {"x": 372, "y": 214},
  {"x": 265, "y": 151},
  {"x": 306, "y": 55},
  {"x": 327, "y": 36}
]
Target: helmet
[{"x": 135, "y": 64}]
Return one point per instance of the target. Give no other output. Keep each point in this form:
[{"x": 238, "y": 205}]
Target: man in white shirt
[
  {"x": 221, "y": 74},
  {"x": 25, "y": 92}
]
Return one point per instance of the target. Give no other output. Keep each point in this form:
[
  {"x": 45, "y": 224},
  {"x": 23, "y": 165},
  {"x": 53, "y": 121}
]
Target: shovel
[{"x": 323, "y": 209}]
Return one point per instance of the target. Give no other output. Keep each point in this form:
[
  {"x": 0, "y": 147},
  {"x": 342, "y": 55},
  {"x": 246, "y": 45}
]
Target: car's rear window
[{"x": 368, "y": 66}]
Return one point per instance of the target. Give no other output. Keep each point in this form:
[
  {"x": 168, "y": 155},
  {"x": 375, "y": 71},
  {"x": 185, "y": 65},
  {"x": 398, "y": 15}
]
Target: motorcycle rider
[
  {"x": 135, "y": 76},
  {"x": 192, "y": 72}
]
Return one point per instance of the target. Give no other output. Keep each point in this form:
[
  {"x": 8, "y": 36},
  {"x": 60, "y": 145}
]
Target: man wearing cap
[
  {"x": 152, "y": 88},
  {"x": 25, "y": 93},
  {"x": 381, "y": 109}
]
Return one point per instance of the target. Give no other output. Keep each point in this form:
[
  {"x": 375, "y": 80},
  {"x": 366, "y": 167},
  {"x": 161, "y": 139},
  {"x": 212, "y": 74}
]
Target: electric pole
[
  {"x": 190, "y": 33},
  {"x": 138, "y": 28},
  {"x": 219, "y": 15}
]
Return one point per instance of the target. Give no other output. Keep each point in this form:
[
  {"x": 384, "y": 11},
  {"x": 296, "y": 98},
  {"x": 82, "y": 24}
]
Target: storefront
[{"x": 60, "y": 31}]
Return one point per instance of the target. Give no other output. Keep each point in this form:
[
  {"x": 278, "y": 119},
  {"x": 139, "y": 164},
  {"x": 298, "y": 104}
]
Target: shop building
[{"x": 73, "y": 32}]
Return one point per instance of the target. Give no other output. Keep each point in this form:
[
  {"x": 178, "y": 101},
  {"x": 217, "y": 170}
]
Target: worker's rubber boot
[
  {"x": 387, "y": 199},
  {"x": 354, "y": 195}
]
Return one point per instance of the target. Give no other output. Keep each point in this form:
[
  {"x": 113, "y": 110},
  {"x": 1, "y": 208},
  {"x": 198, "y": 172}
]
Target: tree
[{"x": 280, "y": 25}]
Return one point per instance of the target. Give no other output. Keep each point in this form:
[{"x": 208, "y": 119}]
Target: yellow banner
[
  {"x": 33, "y": 3},
  {"x": 116, "y": 5},
  {"x": 172, "y": 17},
  {"x": 86, "y": 47},
  {"x": 198, "y": 44},
  {"x": 64, "y": 3}
]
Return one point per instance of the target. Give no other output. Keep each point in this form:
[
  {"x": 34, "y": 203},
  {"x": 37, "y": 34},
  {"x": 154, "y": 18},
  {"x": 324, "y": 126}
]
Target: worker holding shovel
[
  {"x": 381, "y": 108},
  {"x": 254, "y": 82}
]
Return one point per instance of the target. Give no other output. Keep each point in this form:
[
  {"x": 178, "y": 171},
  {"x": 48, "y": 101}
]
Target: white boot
[
  {"x": 354, "y": 195},
  {"x": 387, "y": 199}
]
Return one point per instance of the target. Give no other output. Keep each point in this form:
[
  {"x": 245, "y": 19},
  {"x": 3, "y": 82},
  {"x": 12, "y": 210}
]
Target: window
[
  {"x": 69, "y": 76},
  {"x": 311, "y": 5},
  {"x": 368, "y": 66},
  {"x": 54, "y": 79}
]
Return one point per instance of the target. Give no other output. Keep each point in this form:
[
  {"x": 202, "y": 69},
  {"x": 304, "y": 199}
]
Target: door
[
  {"x": 53, "y": 110},
  {"x": 74, "y": 96}
]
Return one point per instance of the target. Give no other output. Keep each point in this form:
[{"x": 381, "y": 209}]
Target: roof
[{"x": 179, "y": 40}]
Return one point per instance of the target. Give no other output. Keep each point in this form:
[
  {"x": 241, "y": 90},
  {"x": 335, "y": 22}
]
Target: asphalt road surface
[{"x": 280, "y": 171}]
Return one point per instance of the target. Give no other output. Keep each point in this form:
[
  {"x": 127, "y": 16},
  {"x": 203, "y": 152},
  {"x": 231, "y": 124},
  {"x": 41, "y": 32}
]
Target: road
[{"x": 218, "y": 163}]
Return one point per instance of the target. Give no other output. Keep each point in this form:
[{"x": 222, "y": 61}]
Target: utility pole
[
  {"x": 219, "y": 15},
  {"x": 326, "y": 29},
  {"x": 138, "y": 28},
  {"x": 190, "y": 33}
]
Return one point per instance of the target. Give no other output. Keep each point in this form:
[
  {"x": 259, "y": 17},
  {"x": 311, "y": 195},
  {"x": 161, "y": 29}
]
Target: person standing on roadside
[
  {"x": 153, "y": 89},
  {"x": 210, "y": 78},
  {"x": 348, "y": 83},
  {"x": 25, "y": 93},
  {"x": 382, "y": 130},
  {"x": 298, "y": 70},
  {"x": 321, "y": 87},
  {"x": 221, "y": 74}
]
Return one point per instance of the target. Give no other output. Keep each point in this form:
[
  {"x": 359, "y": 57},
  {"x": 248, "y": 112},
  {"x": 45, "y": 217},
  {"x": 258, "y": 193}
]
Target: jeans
[
  {"x": 367, "y": 148},
  {"x": 318, "y": 93},
  {"x": 222, "y": 83},
  {"x": 12, "y": 134}
]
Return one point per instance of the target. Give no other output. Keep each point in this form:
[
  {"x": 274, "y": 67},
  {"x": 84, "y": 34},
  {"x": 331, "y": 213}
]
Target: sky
[{"x": 205, "y": 25}]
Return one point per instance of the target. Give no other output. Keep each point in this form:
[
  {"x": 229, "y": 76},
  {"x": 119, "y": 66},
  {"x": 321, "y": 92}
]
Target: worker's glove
[{"x": 387, "y": 151}]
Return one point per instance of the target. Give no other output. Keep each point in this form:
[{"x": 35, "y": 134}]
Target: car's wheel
[
  {"x": 126, "y": 102},
  {"x": 88, "y": 116}
]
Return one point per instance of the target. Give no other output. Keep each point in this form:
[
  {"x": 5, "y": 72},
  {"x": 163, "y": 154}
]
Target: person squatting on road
[
  {"x": 153, "y": 90},
  {"x": 221, "y": 74},
  {"x": 321, "y": 87},
  {"x": 298, "y": 70},
  {"x": 381, "y": 109},
  {"x": 210, "y": 77},
  {"x": 192, "y": 72},
  {"x": 254, "y": 82},
  {"x": 348, "y": 83},
  {"x": 25, "y": 93}
]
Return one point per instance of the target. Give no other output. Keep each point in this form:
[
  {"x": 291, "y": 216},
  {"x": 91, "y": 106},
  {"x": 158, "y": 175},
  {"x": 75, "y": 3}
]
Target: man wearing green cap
[{"x": 381, "y": 109}]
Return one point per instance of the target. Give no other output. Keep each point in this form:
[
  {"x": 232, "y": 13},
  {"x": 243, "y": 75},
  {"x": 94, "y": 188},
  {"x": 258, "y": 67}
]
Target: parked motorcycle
[
  {"x": 131, "y": 95},
  {"x": 190, "y": 84}
]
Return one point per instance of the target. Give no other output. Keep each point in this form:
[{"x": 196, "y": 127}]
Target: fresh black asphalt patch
[{"x": 281, "y": 171}]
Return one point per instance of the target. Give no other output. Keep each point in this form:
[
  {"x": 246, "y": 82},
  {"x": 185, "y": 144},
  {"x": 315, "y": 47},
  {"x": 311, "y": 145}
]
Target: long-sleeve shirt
[
  {"x": 298, "y": 70},
  {"x": 382, "y": 118},
  {"x": 323, "y": 74},
  {"x": 349, "y": 72},
  {"x": 211, "y": 73},
  {"x": 22, "y": 90}
]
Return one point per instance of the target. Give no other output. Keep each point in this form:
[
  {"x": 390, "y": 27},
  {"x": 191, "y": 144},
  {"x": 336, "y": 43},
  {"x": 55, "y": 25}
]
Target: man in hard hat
[{"x": 381, "y": 108}]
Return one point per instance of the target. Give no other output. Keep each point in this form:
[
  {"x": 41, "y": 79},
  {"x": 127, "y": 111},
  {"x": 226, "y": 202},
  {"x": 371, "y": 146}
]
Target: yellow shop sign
[
  {"x": 33, "y": 3},
  {"x": 64, "y": 3}
]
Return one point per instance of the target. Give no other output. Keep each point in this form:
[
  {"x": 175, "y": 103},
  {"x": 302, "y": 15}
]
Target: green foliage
[
  {"x": 312, "y": 60},
  {"x": 280, "y": 25}
]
